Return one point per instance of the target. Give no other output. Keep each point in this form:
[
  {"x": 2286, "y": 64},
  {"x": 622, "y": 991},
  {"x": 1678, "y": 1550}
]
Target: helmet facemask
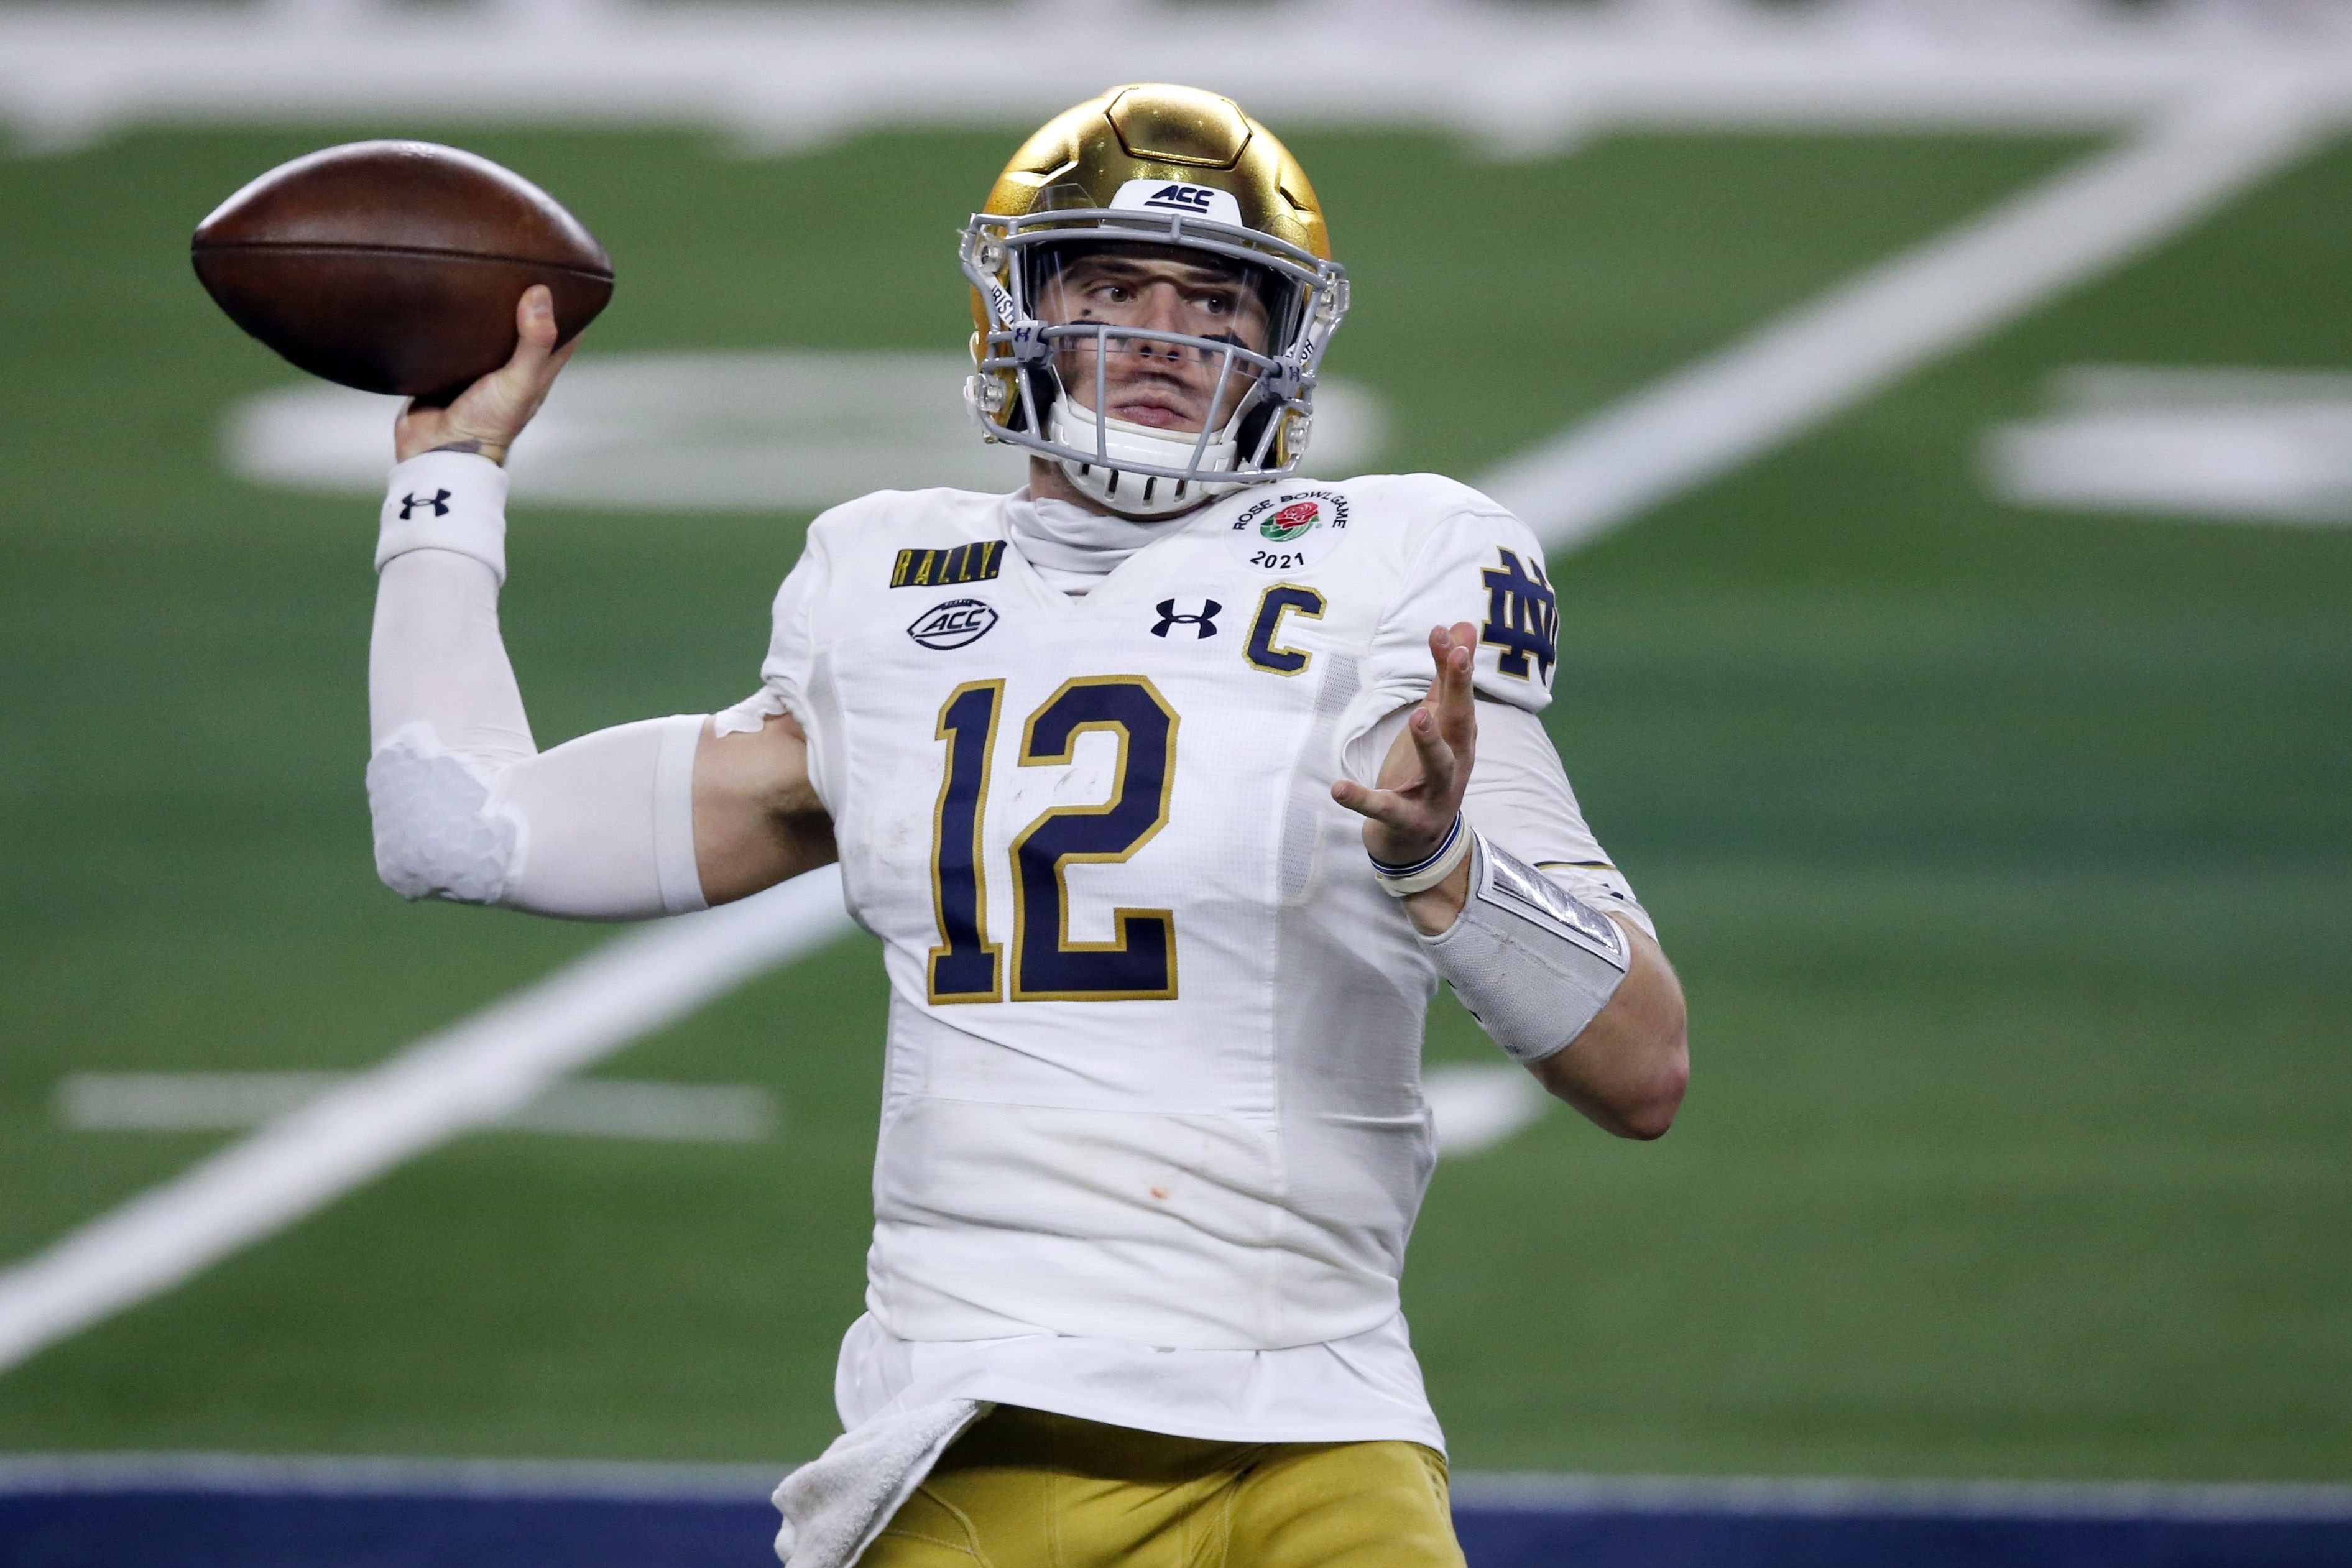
[{"x": 1234, "y": 404}]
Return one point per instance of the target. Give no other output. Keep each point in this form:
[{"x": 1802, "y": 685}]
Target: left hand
[{"x": 1423, "y": 778}]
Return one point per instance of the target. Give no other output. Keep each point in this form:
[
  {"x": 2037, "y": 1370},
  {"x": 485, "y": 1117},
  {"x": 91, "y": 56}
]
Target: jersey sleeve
[
  {"x": 1483, "y": 566},
  {"x": 785, "y": 675},
  {"x": 1519, "y": 797}
]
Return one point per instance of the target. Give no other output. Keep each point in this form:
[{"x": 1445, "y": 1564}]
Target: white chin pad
[{"x": 1123, "y": 441}]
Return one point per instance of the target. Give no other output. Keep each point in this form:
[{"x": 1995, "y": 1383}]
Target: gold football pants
[{"x": 1024, "y": 1489}]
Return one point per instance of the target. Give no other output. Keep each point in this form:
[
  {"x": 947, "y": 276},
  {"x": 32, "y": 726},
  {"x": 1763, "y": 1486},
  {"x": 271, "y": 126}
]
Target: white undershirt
[{"x": 1072, "y": 548}]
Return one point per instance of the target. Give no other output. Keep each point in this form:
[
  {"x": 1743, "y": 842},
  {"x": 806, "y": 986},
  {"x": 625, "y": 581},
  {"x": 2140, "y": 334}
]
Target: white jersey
[{"x": 1153, "y": 1069}]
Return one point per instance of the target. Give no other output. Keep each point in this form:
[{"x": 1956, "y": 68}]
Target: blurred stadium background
[{"x": 1942, "y": 414}]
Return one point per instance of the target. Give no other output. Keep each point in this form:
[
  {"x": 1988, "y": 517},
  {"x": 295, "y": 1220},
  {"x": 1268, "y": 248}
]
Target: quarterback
[{"x": 1171, "y": 784}]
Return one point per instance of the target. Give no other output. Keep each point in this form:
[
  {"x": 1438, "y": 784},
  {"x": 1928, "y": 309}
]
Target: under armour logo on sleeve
[
  {"x": 438, "y": 501},
  {"x": 1522, "y": 617},
  {"x": 1203, "y": 625}
]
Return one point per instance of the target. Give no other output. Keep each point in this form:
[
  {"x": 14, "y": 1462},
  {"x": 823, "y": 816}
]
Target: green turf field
[{"x": 2005, "y": 855}]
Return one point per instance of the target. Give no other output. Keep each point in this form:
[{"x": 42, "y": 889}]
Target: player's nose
[{"x": 1164, "y": 311}]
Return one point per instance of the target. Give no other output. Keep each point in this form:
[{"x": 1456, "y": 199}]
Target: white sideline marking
[
  {"x": 1895, "y": 317},
  {"x": 758, "y": 430},
  {"x": 1836, "y": 1497},
  {"x": 2213, "y": 444},
  {"x": 1479, "y": 1107},
  {"x": 591, "y": 1108},
  {"x": 469, "y": 1075},
  {"x": 1696, "y": 424}
]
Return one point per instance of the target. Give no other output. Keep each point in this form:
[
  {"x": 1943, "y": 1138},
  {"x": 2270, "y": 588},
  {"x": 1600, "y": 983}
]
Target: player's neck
[{"x": 1072, "y": 543}]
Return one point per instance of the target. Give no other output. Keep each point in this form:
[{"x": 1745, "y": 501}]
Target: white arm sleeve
[{"x": 466, "y": 806}]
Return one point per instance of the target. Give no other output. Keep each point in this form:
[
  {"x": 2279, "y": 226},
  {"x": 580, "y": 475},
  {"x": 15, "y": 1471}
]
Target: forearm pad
[{"x": 1533, "y": 962}]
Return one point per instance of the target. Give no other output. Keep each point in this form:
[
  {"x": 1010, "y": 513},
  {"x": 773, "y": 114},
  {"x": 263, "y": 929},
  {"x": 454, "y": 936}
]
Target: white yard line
[
  {"x": 583, "y": 1108},
  {"x": 1873, "y": 330},
  {"x": 471, "y": 1074},
  {"x": 339, "y": 1475},
  {"x": 1478, "y": 1105},
  {"x": 1694, "y": 425},
  {"x": 782, "y": 77}
]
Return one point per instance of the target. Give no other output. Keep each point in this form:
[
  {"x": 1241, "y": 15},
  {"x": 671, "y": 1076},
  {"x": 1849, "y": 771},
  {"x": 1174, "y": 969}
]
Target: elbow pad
[
  {"x": 1533, "y": 962},
  {"x": 599, "y": 828},
  {"x": 434, "y": 834}
]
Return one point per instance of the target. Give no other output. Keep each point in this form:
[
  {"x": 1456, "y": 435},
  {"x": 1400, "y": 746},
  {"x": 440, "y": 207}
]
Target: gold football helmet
[{"x": 1166, "y": 167}]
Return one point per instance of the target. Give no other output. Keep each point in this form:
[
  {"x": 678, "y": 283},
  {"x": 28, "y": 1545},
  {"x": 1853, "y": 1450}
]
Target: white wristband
[
  {"x": 1403, "y": 881},
  {"x": 445, "y": 500}
]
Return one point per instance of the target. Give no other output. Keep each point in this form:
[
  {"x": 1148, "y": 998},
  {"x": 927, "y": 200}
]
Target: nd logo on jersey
[{"x": 1286, "y": 533}]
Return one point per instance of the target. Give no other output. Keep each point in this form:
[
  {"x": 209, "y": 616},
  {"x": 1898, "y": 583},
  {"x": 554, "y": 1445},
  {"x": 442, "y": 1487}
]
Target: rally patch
[
  {"x": 975, "y": 563},
  {"x": 1288, "y": 531}
]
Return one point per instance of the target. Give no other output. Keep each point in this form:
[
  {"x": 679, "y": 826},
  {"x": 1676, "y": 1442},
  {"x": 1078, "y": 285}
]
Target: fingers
[
  {"x": 1433, "y": 750},
  {"x": 416, "y": 430},
  {"x": 1442, "y": 730},
  {"x": 534, "y": 337},
  {"x": 1381, "y": 806},
  {"x": 1453, "y": 691},
  {"x": 535, "y": 319},
  {"x": 492, "y": 412},
  {"x": 1455, "y": 650}
]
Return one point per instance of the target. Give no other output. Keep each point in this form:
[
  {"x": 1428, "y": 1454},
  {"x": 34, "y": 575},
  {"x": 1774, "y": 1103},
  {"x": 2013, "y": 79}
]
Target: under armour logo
[
  {"x": 438, "y": 501},
  {"x": 1204, "y": 625},
  {"x": 1522, "y": 617}
]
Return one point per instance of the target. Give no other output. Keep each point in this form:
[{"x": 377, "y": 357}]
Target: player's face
[{"x": 1167, "y": 387}]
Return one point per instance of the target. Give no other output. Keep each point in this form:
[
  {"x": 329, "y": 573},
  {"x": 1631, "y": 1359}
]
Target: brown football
[{"x": 395, "y": 266}]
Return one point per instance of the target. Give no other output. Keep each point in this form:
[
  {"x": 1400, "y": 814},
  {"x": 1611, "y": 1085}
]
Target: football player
[{"x": 1171, "y": 783}]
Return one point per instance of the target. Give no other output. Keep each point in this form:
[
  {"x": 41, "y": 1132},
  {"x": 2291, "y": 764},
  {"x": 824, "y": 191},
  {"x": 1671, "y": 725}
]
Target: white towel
[{"x": 836, "y": 1505}]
